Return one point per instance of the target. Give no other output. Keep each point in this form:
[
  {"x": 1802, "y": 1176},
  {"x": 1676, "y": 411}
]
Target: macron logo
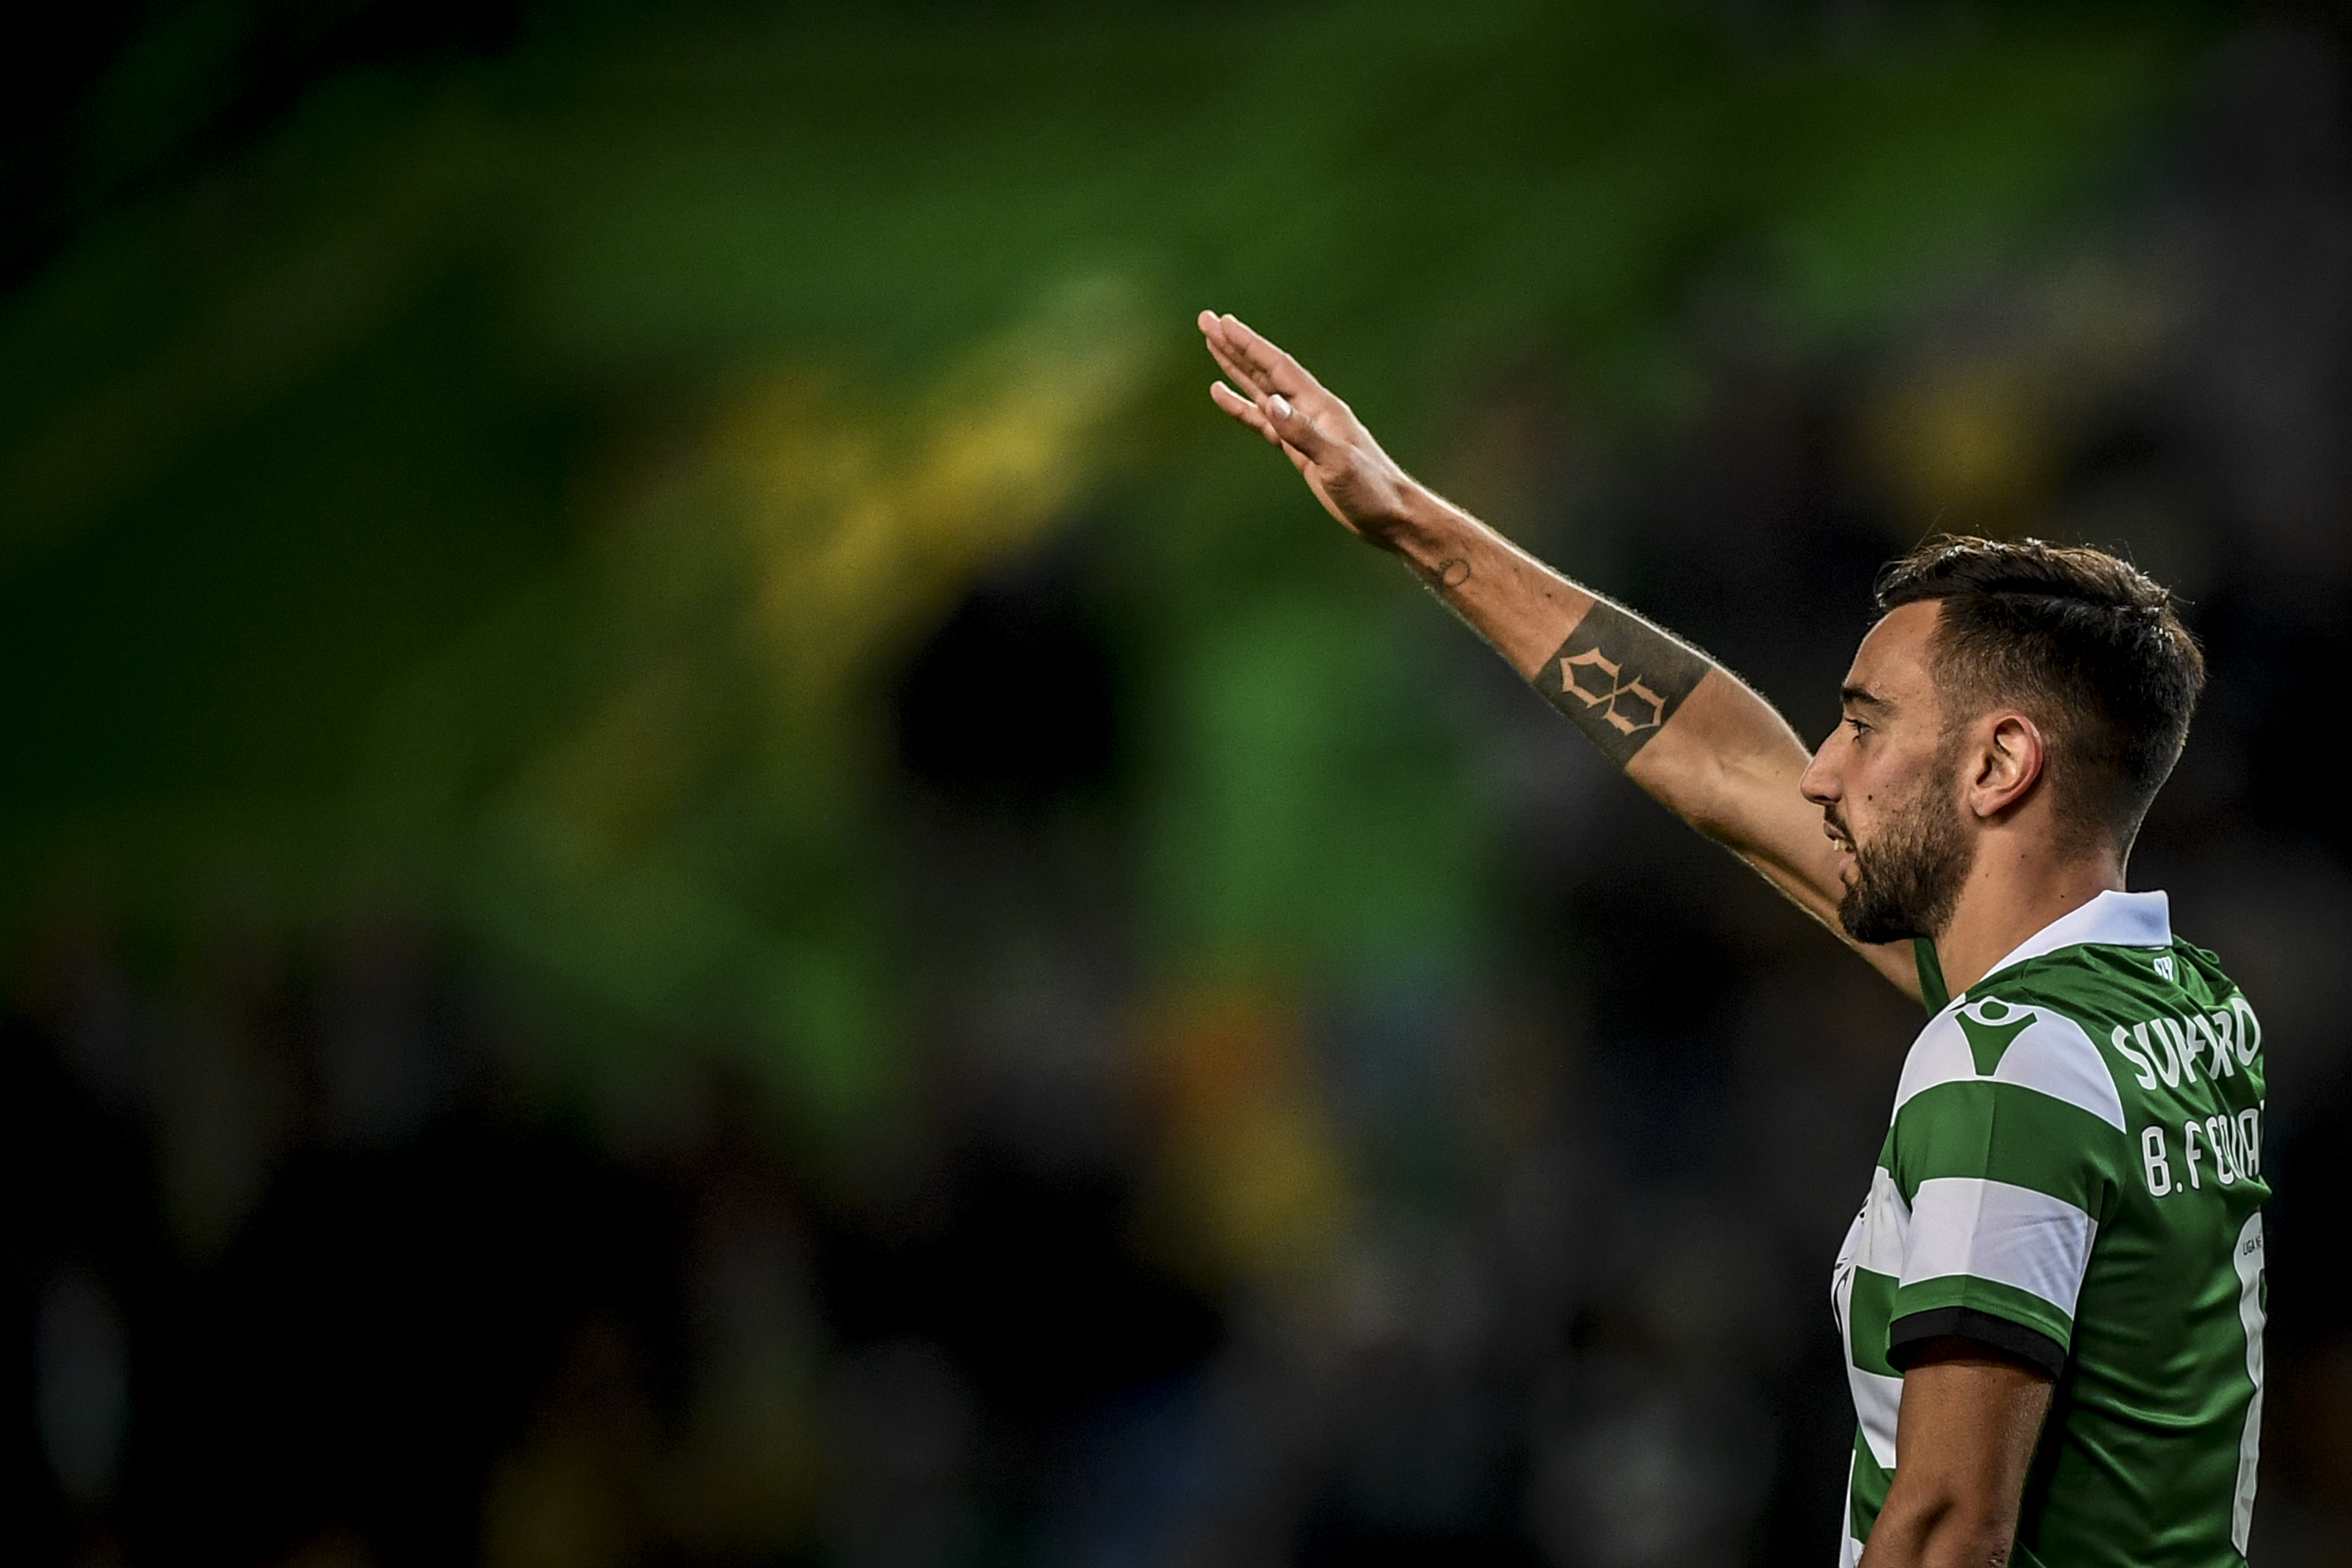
[
  {"x": 2163, "y": 964},
  {"x": 1989, "y": 1025}
]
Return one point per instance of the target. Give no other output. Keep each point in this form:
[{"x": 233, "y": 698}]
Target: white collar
[{"x": 2111, "y": 919}]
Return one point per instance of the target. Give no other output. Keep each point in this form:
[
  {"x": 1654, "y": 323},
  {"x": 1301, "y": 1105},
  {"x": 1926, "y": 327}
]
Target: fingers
[
  {"x": 1253, "y": 362},
  {"x": 1265, "y": 363},
  {"x": 1248, "y": 377},
  {"x": 1242, "y": 408},
  {"x": 1253, "y": 415},
  {"x": 1295, "y": 428},
  {"x": 1269, "y": 380},
  {"x": 1238, "y": 374},
  {"x": 1275, "y": 419}
]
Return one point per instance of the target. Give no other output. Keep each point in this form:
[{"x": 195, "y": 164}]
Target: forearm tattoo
[{"x": 1618, "y": 679}]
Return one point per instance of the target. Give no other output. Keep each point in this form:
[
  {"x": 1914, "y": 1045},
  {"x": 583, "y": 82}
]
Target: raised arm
[{"x": 1681, "y": 726}]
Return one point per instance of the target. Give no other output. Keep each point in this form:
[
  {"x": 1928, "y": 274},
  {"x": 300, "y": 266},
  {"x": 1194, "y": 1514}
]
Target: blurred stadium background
[{"x": 697, "y": 872}]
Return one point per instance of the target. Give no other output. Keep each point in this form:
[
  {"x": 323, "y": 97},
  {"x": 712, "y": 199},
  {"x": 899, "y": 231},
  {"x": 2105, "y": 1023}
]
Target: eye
[{"x": 1859, "y": 728}]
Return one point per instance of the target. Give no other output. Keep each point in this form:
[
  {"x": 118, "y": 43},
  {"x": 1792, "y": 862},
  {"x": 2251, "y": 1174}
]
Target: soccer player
[{"x": 2051, "y": 1301}]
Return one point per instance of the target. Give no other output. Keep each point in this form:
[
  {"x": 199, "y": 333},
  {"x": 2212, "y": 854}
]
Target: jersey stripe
[
  {"x": 2050, "y": 1055},
  {"x": 1866, "y": 1489},
  {"x": 1877, "y": 1405},
  {"x": 2247, "y": 1258},
  {"x": 1994, "y": 1231},
  {"x": 2013, "y": 1135},
  {"x": 1885, "y": 1218},
  {"x": 1872, "y": 1309}
]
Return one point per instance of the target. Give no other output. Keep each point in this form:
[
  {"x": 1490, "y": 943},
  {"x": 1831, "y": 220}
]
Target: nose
[{"x": 1821, "y": 783}]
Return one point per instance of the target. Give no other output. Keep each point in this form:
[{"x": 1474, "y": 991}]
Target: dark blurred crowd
[{"x": 1521, "y": 1261}]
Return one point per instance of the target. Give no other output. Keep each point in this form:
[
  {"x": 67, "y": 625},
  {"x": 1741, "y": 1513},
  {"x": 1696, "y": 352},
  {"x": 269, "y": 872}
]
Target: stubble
[{"x": 1907, "y": 879}]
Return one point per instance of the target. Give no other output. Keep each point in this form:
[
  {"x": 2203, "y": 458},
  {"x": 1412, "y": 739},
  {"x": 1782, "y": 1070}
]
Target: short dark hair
[{"x": 2087, "y": 644}]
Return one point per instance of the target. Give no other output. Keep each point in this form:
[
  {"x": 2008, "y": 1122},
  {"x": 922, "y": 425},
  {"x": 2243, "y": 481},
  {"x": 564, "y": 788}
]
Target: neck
[{"x": 2015, "y": 888}]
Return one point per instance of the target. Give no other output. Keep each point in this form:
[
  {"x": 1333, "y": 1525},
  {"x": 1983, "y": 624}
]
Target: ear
[{"x": 2005, "y": 763}]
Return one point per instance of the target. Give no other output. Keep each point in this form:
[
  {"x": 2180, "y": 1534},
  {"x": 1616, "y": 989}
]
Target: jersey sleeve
[{"x": 2003, "y": 1149}]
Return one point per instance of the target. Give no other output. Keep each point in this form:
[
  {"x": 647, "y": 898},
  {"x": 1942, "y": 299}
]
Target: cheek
[
  {"x": 1878, "y": 791},
  {"x": 1893, "y": 794}
]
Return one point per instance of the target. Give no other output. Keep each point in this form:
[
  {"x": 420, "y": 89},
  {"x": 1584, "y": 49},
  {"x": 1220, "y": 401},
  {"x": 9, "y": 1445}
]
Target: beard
[{"x": 1907, "y": 880}]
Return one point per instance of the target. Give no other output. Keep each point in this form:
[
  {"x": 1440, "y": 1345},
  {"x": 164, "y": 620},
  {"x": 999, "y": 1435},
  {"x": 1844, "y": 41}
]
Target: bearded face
[{"x": 1908, "y": 879}]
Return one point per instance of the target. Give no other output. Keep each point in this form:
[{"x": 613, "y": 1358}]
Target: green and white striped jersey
[{"x": 2074, "y": 1176}]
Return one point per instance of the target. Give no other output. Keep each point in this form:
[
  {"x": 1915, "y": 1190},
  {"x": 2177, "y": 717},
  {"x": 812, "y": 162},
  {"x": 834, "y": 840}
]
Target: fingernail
[{"x": 1280, "y": 405}]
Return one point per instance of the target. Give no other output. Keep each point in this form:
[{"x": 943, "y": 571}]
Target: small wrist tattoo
[
  {"x": 1454, "y": 572},
  {"x": 1618, "y": 679}
]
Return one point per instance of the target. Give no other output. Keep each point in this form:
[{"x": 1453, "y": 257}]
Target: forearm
[
  {"x": 1684, "y": 728},
  {"x": 1522, "y": 607},
  {"x": 1691, "y": 734}
]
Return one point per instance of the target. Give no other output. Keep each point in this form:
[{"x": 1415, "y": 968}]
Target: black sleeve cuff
[{"x": 2031, "y": 1346}]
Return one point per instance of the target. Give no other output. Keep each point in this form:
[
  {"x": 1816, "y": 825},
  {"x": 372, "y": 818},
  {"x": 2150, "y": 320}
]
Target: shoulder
[
  {"x": 2019, "y": 1033},
  {"x": 2198, "y": 971}
]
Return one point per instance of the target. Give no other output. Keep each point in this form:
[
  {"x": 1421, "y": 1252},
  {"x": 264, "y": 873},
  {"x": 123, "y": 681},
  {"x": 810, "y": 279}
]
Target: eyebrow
[{"x": 1859, "y": 697}]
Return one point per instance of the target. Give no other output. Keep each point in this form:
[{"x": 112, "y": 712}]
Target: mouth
[{"x": 1843, "y": 842}]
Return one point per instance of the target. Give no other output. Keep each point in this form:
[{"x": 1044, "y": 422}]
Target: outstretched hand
[{"x": 1272, "y": 394}]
